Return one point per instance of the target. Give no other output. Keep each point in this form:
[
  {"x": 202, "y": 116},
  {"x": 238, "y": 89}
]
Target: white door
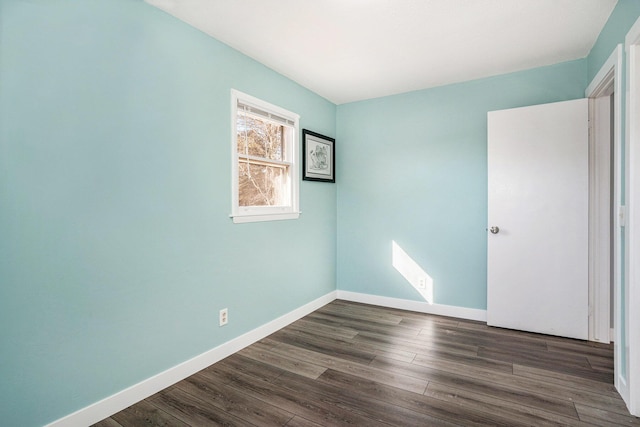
[{"x": 537, "y": 273}]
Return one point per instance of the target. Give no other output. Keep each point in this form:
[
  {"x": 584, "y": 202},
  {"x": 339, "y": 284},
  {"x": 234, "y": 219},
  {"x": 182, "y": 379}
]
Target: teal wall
[
  {"x": 620, "y": 21},
  {"x": 116, "y": 246},
  {"x": 618, "y": 25},
  {"x": 413, "y": 169}
]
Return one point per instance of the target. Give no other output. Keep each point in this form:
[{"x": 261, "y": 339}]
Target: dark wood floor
[{"x": 355, "y": 364}]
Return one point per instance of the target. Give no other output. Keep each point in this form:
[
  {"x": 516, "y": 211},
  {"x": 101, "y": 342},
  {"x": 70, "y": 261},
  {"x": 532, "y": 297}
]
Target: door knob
[{"x": 494, "y": 230}]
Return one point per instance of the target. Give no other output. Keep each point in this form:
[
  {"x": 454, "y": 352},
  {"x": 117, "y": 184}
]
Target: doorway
[
  {"x": 606, "y": 213},
  {"x": 601, "y": 212},
  {"x": 632, "y": 301}
]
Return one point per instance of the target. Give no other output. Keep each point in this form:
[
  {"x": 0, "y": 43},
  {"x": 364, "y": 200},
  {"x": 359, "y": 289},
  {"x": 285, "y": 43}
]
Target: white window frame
[{"x": 242, "y": 214}]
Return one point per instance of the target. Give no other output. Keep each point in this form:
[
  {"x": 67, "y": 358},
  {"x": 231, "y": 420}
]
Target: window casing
[{"x": 264, "y": 160}]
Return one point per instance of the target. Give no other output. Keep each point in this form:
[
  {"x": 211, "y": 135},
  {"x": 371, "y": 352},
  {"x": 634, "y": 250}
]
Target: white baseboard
[
  {"x": 421, "y": 307},
  {"x": 127, "y": 397}
]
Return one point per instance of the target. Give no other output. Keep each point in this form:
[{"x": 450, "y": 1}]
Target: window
[{"x": 264, "y": 160}]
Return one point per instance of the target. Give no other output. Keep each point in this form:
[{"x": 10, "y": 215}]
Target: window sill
[{"x": 240, "y": 219}]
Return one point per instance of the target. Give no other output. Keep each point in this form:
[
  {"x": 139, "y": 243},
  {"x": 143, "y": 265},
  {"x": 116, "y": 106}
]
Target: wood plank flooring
[{"x": 361, "y": 365}]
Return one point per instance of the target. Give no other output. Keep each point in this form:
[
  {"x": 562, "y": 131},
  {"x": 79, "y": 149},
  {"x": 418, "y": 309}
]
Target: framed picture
[{"x": 318, "y": 157}]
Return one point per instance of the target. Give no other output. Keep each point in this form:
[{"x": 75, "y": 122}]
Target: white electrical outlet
[
  {"x": 224, "y": 316},
  {"x": 422, "y": 283}
]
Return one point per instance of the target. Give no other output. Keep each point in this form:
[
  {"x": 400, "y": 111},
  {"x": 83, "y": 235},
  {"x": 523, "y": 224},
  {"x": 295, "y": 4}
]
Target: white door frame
[
  {"x": 632, "y": 301},
  {"x": 610, "y": 74},
  {"x": 600, "y": 221}
]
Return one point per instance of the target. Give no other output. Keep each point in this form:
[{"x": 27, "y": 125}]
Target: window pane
[
  {"x": 258, "y": 137},
  {"x": 262, "y": 185}
]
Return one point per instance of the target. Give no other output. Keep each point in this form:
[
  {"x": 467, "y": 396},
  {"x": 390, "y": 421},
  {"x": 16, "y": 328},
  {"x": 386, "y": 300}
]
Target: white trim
[
  {"x": 632, "y": 47},
  {"x": 240, "y": 219},
  {"x": 600, "y": 216},
  {"x": 241, "y": 214},
  {"x": 418, "y": 306},
  {"x": 125, "y": 398},
  {"x": 612, "y": 69},
  {"x": 607, "y": 73},
  {"x": 263, "y": 105}
]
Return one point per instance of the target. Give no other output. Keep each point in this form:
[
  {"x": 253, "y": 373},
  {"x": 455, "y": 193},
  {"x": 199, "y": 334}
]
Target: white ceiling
[{"x": 350, "y": 50}]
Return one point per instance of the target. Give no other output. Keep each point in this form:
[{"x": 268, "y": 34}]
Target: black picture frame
[{"x": 318, "y": 157}]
